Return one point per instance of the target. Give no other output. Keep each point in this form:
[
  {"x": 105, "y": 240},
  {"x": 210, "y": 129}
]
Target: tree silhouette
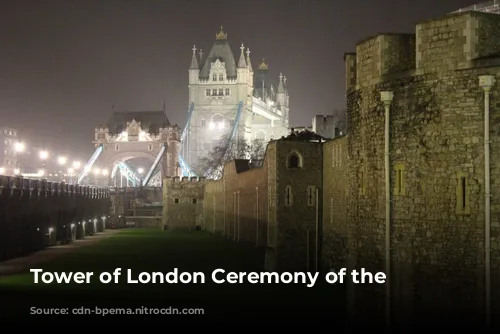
[{"x": 212, "y": 165}]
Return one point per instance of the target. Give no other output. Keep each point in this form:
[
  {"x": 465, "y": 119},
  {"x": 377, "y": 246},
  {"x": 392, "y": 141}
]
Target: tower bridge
[
  {"x": 146, "y": 135},
  {"x": 226, "y": 98}
]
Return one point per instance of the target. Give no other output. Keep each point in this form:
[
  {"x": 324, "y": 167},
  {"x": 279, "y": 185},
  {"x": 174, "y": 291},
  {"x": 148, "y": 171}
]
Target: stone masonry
[
  {"x": 437, "y": 163},
  {"x": 436, "y": 153},
  {"x": 183, "y": 202},
  {"x": 38, "y": 214}
]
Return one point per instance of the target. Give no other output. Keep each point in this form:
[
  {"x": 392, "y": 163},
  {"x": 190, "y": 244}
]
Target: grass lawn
[{"x": 162, "y": 251}]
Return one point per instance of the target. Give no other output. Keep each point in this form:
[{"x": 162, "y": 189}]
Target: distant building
[
  {"x": 492, "y": 7},
  {"x": 322, "y": 125},
  {"x": 228, "y": 97},
  {"x": 8, "y": 155}
]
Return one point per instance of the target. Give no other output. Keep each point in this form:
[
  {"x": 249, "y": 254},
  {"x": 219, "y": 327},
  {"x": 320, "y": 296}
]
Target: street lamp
[
  {"x": 76, "y": 164},
  {"x": 62, "y": 160},
  {"x": 387, "y": 97},
  {"x": 19, "y": 147}
]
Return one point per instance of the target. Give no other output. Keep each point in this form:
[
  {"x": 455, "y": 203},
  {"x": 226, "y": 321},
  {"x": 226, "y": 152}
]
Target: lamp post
[
  {"x": 486, "y": 82},
  {"x": 387, "y": 97}
]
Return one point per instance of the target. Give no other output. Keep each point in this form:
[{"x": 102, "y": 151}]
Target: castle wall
[
  {"x": 183, "y": 202},
  {"x": 298, "y": 224},
  {"x": 437, "y": 171},
  {"x": 236, "y": 205},
  {"x": 335, "y": 232},
  {"x": 436, "y": 154}
]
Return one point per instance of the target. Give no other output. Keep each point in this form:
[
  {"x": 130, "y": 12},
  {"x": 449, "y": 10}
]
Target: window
[
  {"x": 217, "y": 118},
  {"x": 194, "y": 200},
  {"x": 294, "y": 160},
  {"x": 150, "y": 147},
  {"x": 214, "y": 91},
  {"x": 221, "y": 92},
  {"x": 117, "y": 147},
  {"x": 221, "y": 77},
  {"x": 176, "y": 200},
  {"x": 463, "y": 191},
  {"x": 399, "y": 184},
  {"x": 207, "y": 92},
  {"x": 228, "y": 91},
  {"x": 260, "y": 135},
  {"x": 203, "y": 123},
  {"x": 214, "y": 77},
  {"x": 288, "y": 196},
  {"x": 311, "y": 196}
]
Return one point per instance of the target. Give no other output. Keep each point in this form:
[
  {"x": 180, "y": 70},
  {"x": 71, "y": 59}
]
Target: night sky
[{"x": 64, "y": 64}]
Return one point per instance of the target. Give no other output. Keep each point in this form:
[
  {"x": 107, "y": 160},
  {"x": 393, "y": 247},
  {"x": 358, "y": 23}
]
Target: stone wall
[
  {"x": 297, "y": 226},
  {"x": 334, "y": 240},
  {"x": 38, "y": 214},
  {"x": 183, "y": 202},
  {"x": 273, "y": 205},
  {"x": 436, "y": 152},
  {"x": 437, "y": 169},
  {"x": 486, "y": 7},
  {"x": 236, "y": 205}
]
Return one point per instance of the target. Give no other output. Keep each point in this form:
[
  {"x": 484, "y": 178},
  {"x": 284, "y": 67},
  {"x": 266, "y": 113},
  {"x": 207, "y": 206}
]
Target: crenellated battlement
[
  {"x": 10, "y": 186},
  {"x": 379, "y": 57},
  {"x": 456, "y": 41}
]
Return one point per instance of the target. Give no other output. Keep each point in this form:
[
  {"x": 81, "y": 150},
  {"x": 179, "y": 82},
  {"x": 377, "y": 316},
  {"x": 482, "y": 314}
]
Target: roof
[
  {"x": 151, "y": 121},
  {"x": 305, "y": 135},
  {"x": 241, "y": 165},
  {"x": 222, "y": 51}
]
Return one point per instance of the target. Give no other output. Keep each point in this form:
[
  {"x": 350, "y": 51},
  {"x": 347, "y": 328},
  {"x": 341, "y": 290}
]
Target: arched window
[
  {"x": 294, "y": 160},
  {"x": 217, "y": 122},
  {"x": 260, "y": 135},
  {"x": 217, "y": 118}
]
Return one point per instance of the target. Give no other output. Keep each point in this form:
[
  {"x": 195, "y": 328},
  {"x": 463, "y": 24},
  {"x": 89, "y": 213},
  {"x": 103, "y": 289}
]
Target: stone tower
[{"x": 227, "y": 98}]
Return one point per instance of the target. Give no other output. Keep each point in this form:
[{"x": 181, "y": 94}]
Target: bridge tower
[
  {"x": 129, "y": 135},
  {"x": 228, "y": 98}
]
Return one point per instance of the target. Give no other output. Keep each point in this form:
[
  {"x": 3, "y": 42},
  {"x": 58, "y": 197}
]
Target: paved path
[{"x": 20, "y": 264}]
